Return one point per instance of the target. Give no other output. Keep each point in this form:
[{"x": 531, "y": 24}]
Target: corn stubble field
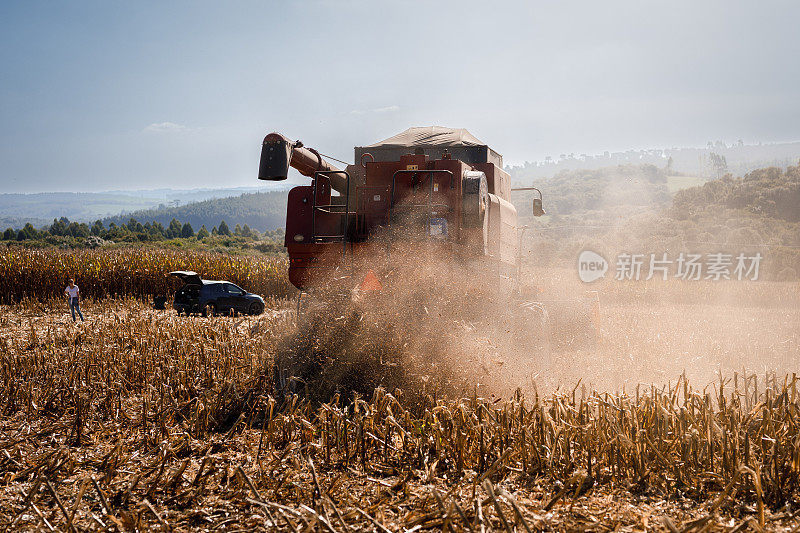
[{"x": 139, "y": 420}]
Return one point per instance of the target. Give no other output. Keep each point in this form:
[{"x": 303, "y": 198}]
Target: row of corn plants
[{"x": 138, "y": 272}]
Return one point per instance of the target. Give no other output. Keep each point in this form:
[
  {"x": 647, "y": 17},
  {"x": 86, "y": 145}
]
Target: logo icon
[{"x": 591, "y": 266}]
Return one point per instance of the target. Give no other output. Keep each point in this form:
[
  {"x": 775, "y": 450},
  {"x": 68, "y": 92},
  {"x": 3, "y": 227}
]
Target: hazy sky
[{"x": 124, "y": 95}]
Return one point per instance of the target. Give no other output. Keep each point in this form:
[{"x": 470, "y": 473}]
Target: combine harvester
[{"x": 427, "y": 212}]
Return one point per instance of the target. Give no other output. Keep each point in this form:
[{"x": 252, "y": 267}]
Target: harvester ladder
[{"x": 331, "y": 209}]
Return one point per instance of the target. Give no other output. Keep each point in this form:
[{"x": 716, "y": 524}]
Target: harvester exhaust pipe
[{"x": 278, "y": 153}]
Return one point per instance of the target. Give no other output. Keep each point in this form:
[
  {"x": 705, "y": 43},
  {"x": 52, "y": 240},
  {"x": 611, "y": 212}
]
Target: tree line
[
  {"x": 767, "y": 192},
  {"x": 257, "y": 210},
  {"x": 134, "y": 231}
]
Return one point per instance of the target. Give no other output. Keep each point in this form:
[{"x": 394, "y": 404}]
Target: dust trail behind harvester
[
  {"x": 429, "y": 213},
  {"x": 652, "y": 331},
  {"x": 436, "y": 325},
  {"x": 455, "y": 328}
]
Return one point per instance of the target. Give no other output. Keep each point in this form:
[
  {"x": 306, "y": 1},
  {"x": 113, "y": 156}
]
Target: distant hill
[
  {"x": 261, "y": 210},
  {"x": 40, "y": 209},
  {"x": 184, "y": 196},
  {"x": 610, "y": 190},
  {"x": 713, "y": 161},
  {"x": 629, "y": 209},
  {"x": 763, "y": 193}
]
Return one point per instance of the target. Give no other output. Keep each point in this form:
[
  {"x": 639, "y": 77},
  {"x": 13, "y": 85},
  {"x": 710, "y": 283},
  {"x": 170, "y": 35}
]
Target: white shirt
[{"x": 72, "y": 291}]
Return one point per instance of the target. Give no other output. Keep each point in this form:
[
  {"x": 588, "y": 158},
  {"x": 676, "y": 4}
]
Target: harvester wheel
[
  {"x": 475, "y": 209},
  {"x": 475, "y": 200}
]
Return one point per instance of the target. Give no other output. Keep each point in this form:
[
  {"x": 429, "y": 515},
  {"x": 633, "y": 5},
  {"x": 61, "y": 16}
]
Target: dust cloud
[
  {"x": 453, "y": 327},
  {"x": 444, "y": 323}
]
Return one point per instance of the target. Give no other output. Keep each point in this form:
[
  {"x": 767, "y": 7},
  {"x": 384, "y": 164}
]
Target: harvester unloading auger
[{"x": 420, "y": 226}]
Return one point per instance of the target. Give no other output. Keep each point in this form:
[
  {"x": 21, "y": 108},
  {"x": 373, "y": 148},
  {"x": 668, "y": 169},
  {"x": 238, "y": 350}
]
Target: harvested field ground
[{"x": 139, "y": 420}]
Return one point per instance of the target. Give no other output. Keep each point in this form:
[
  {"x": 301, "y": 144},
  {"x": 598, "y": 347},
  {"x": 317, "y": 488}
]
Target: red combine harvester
[
  {"x": 436, "y": 183},
  {"x": 434, "y": 192}
]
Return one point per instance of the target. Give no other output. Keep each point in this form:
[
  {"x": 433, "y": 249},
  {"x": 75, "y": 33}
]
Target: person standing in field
[{"x": 73, "y": 296}]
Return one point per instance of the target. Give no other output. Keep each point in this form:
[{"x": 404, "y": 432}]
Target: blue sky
[{"x": 112, "y": 95}]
